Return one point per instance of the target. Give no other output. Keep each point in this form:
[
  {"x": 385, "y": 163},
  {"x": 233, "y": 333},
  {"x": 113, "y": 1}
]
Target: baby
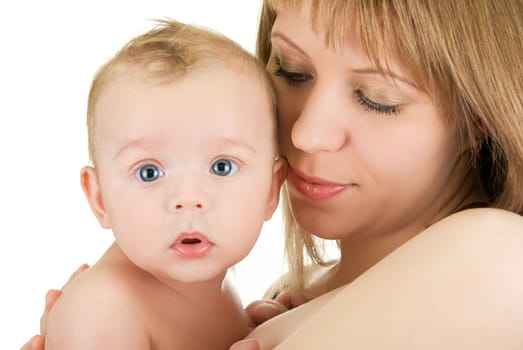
[{"x": 182, "y": 138}]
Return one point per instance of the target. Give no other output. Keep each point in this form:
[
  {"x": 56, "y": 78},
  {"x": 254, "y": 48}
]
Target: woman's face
[{"x": 368, "y": 154}]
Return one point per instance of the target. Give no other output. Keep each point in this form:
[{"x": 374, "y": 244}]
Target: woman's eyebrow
[
  {"x": 390, "y": 74},
  {"x": 288, "y": 41}
]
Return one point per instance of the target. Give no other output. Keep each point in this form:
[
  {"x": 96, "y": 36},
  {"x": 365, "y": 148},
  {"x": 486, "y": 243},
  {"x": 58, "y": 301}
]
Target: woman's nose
[{"x": 321, "y": 127}]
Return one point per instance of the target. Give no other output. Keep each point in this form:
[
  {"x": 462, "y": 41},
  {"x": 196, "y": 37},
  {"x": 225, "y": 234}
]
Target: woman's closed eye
[
  {"x": 373, "y": 106},
  {"x": 292, "y": 78}
]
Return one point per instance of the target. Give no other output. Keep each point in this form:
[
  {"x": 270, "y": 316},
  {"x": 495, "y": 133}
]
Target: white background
[{"x": 49, "y": 51}]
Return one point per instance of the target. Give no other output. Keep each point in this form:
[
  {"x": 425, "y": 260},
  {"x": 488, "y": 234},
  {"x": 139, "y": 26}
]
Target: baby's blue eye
[
  {"x": 224, "y": 167},
  {"x": 148, "y": 173}
]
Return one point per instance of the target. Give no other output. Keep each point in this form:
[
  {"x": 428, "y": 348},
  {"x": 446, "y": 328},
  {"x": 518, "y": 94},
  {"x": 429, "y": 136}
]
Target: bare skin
[
  {"x": 418, "y": 297},
  {"x": 37, "y": 341},
  {"x": 496, "y": 253},
  {"x": 163, "y": 311},
  {"x": 415, "y": 271}
]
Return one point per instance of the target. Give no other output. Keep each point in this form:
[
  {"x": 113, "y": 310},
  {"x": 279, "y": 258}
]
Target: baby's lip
[{"x": 192, "y": 245}]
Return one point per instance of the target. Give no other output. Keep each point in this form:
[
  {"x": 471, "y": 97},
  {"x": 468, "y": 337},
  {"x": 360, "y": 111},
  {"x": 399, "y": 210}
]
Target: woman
[{"x": 402, "y": 123}]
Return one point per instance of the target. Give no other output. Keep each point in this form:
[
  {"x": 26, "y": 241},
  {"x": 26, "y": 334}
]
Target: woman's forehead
[
  {"x": 385, "y": 34},
  {"x": 330, "y": 18}
]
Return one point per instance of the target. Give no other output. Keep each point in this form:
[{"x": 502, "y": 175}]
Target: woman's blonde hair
[
  {"x": 167, "y": 52},
  {"x": 468, "y": 54}
]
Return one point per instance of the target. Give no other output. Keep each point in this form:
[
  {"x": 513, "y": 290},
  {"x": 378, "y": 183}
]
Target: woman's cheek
[{"x": 288, "y": 113}]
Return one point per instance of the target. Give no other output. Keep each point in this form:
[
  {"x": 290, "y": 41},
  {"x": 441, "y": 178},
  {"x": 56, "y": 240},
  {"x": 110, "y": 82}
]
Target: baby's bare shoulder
[{"x": 92, "y": 309}]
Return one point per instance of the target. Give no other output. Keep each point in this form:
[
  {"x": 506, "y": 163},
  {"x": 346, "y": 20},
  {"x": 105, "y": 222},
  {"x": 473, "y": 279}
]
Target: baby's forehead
[
  {"x": 150, "y": 74},
  {"x": 201, "y": 85},
  {"x": 192, "y": 119},
  {"x": 130, "y": 83},
  {"x": 147, "y": 77}
]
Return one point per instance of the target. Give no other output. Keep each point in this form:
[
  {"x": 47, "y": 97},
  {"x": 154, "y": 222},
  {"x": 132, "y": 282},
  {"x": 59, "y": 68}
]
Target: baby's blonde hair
[
  {"x": 169, "y": 51},
  {"x": 466, "y": 54}
]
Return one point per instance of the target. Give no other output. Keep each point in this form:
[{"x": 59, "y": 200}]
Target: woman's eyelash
[
  {"x": 292, "y": 78},
  {"x": 370, "y": 105},
  {"x": 296, "y": 79}
]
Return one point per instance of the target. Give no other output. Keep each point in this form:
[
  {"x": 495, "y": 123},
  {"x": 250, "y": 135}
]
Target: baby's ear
[
  {"x": 279, "y": 172},
  {"x": 91, "y": 187}
]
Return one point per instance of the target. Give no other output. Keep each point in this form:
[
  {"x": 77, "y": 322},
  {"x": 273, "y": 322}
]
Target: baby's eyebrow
[
  {"x": 145, "y": 143},
  {"x": 237, "y": 143},
  {"x": 140, "y": 142}
]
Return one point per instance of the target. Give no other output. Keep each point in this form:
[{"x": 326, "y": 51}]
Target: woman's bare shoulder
[
  {"x": 491, "y": 217},
  {"x": 456, "y": 285},
  {"x": 487, "y": 227},
  {"x": 483, "y": 246}
]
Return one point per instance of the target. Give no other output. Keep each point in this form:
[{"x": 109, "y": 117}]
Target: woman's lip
[
  {"x": 192, "y": 245},
  {"x": 314, "y": 188}
]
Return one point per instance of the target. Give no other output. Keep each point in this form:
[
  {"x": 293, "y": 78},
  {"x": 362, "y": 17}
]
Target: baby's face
[{"x": 186, "y": 169}]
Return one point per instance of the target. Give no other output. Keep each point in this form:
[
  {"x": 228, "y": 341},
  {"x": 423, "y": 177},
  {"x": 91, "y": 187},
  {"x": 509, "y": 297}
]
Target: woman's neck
[{"x": 358, "y": 254}]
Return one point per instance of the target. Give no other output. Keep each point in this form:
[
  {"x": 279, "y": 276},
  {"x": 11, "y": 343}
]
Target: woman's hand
[
  {"x": 260, "y": 311},
  {"x": 37, "y": 341}
]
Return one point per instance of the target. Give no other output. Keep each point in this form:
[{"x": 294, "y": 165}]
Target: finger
[
  {"x": 38, "y": 343},
  {"x": 35, "y": 343},
  {"x": 263, "y": 310},
  {"x": 28, "y": 345},
  {"x": 291, "y": 300},
  {"x": 246, "y": 344},
  {"x": 50, "y": 299}
]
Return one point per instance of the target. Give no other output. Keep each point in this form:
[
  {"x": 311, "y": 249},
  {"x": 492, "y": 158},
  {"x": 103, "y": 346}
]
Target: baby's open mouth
[
  {"x": 192, "y": 245},
  {"x": 191, "y": 241}
]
